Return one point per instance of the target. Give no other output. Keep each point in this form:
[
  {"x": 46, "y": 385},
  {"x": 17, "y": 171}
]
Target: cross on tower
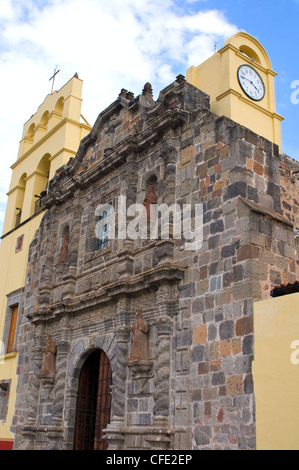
[{"x": 53, "y": 77}]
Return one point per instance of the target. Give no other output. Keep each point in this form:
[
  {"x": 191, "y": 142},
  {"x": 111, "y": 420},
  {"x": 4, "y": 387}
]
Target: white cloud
[{"x": 111, "y": 45}]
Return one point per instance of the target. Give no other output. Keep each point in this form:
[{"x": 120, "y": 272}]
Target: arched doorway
[{"x": 93, "y": 402}]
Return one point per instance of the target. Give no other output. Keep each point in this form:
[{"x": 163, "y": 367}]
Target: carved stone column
[
  {"x": 126, "y": 245},
  {"x": 61, "y": 365},
  {"x": 120, "y": 373},
  {"x": 46, "y": 260},
  {"x": 169, "y": 157},
  {"x": 162, "y": 372},
  {"x": 115, "y": 431}
]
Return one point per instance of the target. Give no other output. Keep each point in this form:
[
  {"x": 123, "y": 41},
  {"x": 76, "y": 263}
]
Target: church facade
[{"x": 130, "y": 339}]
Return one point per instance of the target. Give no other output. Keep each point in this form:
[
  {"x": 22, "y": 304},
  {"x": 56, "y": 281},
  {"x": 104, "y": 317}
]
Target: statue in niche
[
  {"x": 64, "y": 248},
  {"x": 140, "y": 350},
  {"x": 151, "y": 198},
  {"x": 49, "y": 360}
]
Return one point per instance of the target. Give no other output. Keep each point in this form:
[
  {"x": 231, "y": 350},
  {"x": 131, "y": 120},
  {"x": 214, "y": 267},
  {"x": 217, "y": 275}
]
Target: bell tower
[{"x": 240, "y": 82}]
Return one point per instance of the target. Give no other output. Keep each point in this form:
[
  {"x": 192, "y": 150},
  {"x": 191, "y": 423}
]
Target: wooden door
[{"x": 93, "y": 403}]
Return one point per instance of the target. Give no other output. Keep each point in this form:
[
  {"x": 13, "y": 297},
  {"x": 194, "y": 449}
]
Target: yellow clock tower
[{"x": 240, "y": 82}]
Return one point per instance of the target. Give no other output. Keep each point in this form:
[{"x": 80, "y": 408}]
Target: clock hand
[
  {"x": 242, "y": 76},
  {"x": 250, "y": 82}
]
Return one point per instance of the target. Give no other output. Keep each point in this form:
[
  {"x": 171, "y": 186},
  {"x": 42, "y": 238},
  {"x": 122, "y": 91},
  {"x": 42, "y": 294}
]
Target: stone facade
[{"x": 195, "y": 390}]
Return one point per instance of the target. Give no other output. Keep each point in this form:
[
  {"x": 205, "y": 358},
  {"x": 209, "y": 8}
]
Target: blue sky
[{"x": 119, "y": 44}]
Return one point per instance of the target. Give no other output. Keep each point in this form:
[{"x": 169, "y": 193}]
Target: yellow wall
[
  {"x": 50, "y": 138},
  {"x": 276, "y": 372},
  {"x": 217, "y": 77}
]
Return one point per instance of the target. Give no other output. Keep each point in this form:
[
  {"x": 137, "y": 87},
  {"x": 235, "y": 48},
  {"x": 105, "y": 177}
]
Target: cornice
[
  {"x": 43, "y": 139},
  {"x": 250, "y": 103},
  {"x": 148, "y": 280}
]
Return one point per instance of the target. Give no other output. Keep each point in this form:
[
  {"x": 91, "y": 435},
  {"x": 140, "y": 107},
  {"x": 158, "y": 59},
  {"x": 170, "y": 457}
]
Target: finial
[
  {"x": 180, "y": 78},
  {"x": 123, "y": 92},
  {"x": 147, "y": 89}
]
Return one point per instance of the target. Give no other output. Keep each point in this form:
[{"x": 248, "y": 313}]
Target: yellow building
[
  {"x": 276, "y": 372},
  {"x": 240, "y": 82},
  {"x": 50, "y": 138}
]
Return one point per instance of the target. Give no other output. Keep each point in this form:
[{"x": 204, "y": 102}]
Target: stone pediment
[{"x": 129, "y": 125}]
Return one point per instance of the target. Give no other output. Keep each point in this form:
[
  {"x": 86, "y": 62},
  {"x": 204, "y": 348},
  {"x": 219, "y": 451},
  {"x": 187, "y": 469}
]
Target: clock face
[{"x": 251, "y": 82}]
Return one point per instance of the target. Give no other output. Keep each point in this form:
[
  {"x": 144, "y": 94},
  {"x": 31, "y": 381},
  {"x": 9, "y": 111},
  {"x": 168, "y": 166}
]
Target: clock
[{"x": 251, "y": 82}]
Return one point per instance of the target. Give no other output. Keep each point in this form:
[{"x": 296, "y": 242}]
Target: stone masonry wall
[
  {"x": 289, "y": 184},
  {"x": 248, "y": 248}
]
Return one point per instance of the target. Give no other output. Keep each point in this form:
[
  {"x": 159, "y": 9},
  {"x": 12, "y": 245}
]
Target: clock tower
[{"x": 240, "y": 82}]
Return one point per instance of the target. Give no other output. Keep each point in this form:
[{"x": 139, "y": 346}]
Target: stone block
[
  {"x": 234, "y": 385},
  {"x": 248, "y": 345},
  {"x": 226, "y": 329},
  {"x": 236, "y": 189},
  {"x": 247, "y": 289},
  {"x": 244, "y": 326},
  {"x": 254, "y": 269},
  {"x": 218, "y": 378},
  {"x": 202, "y": 435},
  {"x": 247, "y": 252},
  {"x": 200, "y": 334}
]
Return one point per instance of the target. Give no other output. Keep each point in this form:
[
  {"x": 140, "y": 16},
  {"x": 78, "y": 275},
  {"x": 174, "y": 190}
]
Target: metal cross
[{"x": 53, "y": 77}]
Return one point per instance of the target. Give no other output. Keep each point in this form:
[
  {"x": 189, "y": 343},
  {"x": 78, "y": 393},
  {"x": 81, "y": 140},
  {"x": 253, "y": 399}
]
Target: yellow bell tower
[
  {"x": 240, "y": 82},
  {"x": 50, "y": 138}
]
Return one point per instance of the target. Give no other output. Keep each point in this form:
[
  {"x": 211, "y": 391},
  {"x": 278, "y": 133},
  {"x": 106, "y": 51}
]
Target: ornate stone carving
[
  {"x": 84, "y": 285},
  {"x": 105, "y": 277},
  {"x": 49, "y": 359},
  {"x": 140, "y": 344},
  {"x": 139, "y": 362},
  {"x": 162, "y": 371}
]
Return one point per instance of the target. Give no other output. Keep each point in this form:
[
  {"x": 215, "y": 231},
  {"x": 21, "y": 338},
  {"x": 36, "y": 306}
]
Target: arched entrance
[{"x": 93, "y": 402}]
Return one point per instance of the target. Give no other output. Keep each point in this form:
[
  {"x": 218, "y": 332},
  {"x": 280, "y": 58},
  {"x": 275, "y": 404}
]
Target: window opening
[
  {"x": 12, "y": 330},
  {"x": 104, "y": 229}
]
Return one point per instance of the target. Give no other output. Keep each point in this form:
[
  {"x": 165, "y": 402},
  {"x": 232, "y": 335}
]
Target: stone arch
[
  {"x": 93, "y": 411},
  {"x": 151, "y": 180},
  {"x": 117, "y": 355}
]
